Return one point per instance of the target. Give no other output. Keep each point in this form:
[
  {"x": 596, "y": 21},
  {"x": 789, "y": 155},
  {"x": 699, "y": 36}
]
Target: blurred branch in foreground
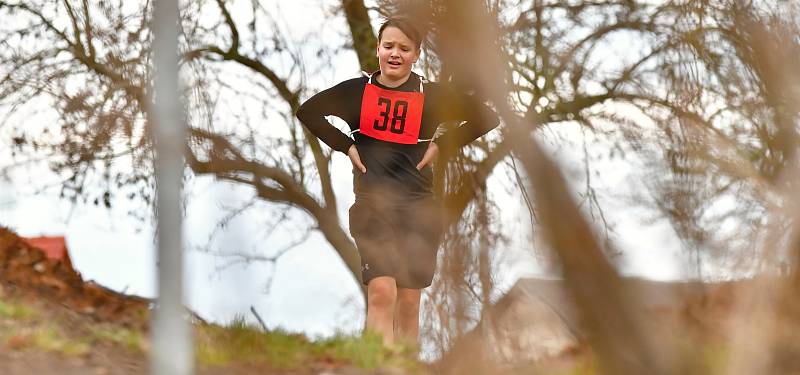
[{"x": 731, "y": 128}]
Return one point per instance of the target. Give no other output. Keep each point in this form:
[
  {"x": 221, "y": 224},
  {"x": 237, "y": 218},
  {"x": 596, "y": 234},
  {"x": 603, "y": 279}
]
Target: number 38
[{"x": 398, "y": 115}]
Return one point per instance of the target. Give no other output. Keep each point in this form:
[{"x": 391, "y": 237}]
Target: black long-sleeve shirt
[{"x": 392, "y": 166}]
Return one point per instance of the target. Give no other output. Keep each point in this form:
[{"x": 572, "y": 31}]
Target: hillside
[{"x": 53, "y": 322}]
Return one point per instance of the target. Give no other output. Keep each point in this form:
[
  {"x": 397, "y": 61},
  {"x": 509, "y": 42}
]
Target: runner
[{"x": 396, "y": 221}]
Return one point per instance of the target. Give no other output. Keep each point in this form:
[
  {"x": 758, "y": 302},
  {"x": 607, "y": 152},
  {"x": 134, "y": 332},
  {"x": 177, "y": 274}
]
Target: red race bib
[{"x": 391, "y": 116}]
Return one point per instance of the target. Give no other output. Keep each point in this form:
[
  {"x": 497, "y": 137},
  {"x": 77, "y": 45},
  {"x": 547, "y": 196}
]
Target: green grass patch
[
  {"x": 16, "y": 310},
  {"x": 216, "y": 345},
  {"x": 130, "y": 339},
  {"x": 52, "y": 339},
  {"x": 241, "y": 343},
  {"x": 27, "y": 329},
  {"x": 368, "y": 352},
  {"x": 44, "y": 337}
]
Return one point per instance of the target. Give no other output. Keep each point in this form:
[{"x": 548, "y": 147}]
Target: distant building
[
  {"x": 533, "y": 321},
  {"x": 54, "y": 248},
  {"x": 536, "y": 319}
]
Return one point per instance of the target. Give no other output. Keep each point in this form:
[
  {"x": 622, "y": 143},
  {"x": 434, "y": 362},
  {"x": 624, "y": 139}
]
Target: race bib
[{"x": 391, "y": 116}]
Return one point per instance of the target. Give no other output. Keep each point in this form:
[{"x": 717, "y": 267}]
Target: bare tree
[{"x": 93, "y": 62}]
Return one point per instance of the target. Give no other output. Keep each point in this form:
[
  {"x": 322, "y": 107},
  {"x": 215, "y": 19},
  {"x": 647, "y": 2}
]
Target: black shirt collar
[{"x": 411, "y": 84}]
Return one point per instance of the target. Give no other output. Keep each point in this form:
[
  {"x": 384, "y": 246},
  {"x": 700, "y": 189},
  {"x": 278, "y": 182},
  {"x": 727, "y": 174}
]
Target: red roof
[{"x": 53, "y": 247}]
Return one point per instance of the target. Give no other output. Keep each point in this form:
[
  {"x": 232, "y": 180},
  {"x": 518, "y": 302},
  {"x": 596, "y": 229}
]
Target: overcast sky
[{"x": 310, "y": 291}]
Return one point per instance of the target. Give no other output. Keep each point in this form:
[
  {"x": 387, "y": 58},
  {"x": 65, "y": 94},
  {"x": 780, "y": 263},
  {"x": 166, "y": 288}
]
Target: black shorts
[{"x": 398, "y": 240}]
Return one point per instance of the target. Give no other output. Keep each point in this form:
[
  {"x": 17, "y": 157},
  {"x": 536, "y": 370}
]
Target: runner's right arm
[{"x": 333, "y": 101}]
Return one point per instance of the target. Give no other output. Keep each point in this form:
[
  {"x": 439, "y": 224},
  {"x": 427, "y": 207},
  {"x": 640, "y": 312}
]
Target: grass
[
  {"x": 52, "y": 339},
  {"x": 17, "y": 311},
  {"x": 129, "y": 339},
  {"x": 45, "y": 337},
  {"x": 241, "y": 343},
  {"x": 23, "y": 327},
  {"x": 368, "y": 352}
]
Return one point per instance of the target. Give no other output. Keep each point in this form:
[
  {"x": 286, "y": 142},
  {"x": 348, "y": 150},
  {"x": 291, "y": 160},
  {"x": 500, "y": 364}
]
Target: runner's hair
[{"x": 411, "y": 31}]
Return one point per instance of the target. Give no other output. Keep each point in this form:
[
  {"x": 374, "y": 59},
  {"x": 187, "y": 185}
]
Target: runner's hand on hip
[
  {"x": 430, "y": 155},
  {"x": 352, "y": 152}
]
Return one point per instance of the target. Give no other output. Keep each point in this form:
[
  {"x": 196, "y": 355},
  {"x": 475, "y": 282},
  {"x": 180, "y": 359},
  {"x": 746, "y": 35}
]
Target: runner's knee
[{"x": 382, "y": 292}]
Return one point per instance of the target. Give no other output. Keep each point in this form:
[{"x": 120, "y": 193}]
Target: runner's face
[{"x": 396, "y": 53}]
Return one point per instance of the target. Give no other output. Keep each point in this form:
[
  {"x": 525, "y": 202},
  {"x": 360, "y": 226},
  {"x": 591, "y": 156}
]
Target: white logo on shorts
[{"x": 365, "y": 267}]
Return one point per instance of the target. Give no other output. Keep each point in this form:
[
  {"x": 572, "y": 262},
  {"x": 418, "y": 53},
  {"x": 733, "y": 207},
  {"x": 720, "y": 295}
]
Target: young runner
[{"x": 396, "y": 222}]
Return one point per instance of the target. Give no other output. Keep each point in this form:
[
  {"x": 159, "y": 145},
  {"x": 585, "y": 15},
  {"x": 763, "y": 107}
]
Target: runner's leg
[
  {"x": 407, "y": 315},
  {"x": 381, "y": 301}
]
